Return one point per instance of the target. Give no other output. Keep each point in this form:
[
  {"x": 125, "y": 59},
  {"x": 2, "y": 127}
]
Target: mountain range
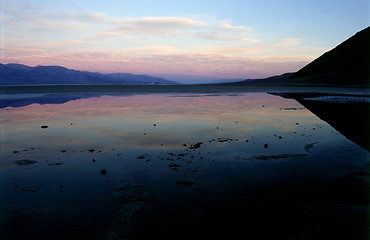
[{"x": 18, "y": 74}]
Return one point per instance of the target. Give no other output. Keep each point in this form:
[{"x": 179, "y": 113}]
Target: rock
[
  {"x": 44, "y": 126},
  {"x": 266, "y": 145},
  {"x": 91, "y": 150},
  {"x": 25, "y": 162},
  {"x": 196, "y": 145},
  {"x": 103, "y": 172}
]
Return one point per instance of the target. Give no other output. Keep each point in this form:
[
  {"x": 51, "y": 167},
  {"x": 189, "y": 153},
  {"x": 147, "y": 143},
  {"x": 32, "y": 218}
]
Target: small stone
[
  {"x": 91, "y": 150},
  {"x": 266, "y": 145},
  {"x": 44, "y": 127},
  {"x": 25, "y": 162},
  {"x": 103, "y": 172}
]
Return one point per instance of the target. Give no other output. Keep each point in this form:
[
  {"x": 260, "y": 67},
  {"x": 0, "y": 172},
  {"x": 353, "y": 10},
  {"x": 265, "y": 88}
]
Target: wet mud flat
[{"x": 179, "y": 166}]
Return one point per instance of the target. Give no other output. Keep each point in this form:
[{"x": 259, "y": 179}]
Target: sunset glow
[{"x": 187, "y": 41}]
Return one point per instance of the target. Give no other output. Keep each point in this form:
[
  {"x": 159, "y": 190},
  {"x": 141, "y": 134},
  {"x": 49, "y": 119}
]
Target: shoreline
[{"x": 201, "y": 88}]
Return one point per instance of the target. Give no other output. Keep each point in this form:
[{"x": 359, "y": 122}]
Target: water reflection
[{"x": 106, "y": 158}]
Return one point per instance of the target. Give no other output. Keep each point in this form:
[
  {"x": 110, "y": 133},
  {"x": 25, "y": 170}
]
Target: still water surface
[{"x": 99, "y": 161}]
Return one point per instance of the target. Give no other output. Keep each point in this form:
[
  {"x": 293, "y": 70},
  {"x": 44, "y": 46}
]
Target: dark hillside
[{"x": 346, "y": 64}]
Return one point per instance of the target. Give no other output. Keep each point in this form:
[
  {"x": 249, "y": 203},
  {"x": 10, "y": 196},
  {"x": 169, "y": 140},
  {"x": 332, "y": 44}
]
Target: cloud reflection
[{"x": 149, "y": 121}]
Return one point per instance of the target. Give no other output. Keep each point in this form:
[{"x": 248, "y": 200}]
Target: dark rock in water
[
  {"x": 15, "y": 152},
  {"x": 196, "y": 145},
  {"x": 174, "y": 165},
  {"x": 103, "y": 172},
  {"x": 44, "y": 126},
  {"x": 186, "y": 182},
  {"x": 91, "y": 150},
  {"x": 266, "y": 146},
  {"x": 25, "y": 162}
]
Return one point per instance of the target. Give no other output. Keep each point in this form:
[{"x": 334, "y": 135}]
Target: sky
[{"x": 191, "y": 41}]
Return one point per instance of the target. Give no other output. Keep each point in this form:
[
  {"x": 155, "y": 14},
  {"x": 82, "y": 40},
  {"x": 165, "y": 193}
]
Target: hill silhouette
[{"x": 348, "y": 64}]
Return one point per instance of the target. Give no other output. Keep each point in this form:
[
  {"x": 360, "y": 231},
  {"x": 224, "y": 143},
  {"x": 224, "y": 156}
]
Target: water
[{"x": 103, "y": 166}]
